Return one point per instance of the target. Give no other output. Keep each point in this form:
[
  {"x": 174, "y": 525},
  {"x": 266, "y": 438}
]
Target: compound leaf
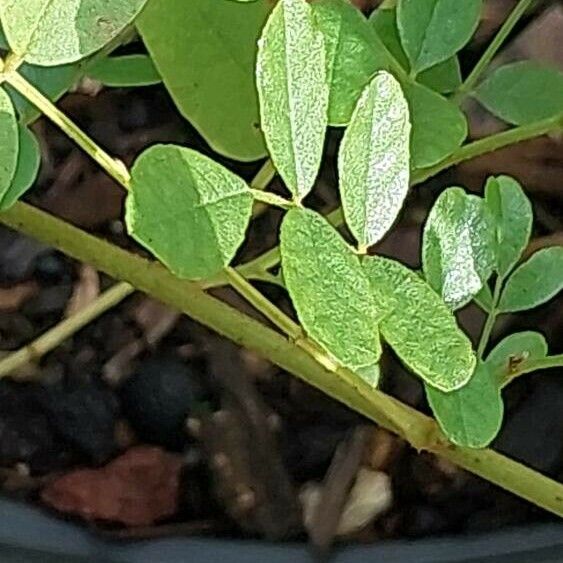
[
  {"x": 522, "y": 92},
  {"x": 513, "y": 218},
  {"x": 470, "y": 417},
  {"x": 56, "y": 32},
  {"x": 374, "y": 160},
  {"x": 458, "y": 246},
  {"x": 189, "y": 211},
  {"x": 9, "y": 143},
  {"x": 329, "y": 289},
  {"x": 534, "y": 282},
  {"x": 431, "y": 31},
  {"x": 418, "y": 326},
  {"x": 293, "y": 93}
]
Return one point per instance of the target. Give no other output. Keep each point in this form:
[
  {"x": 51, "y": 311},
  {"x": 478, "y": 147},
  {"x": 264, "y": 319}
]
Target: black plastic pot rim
[{"x": 27, "y": 534}]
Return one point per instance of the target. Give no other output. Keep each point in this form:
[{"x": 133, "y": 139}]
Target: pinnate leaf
[
  {"x": 9, "y": 143},
  {"x": 439, "y": 127},
  {"x": 431, "y": 31},
  {"x": 458, "y": 246},
  {"x": 353, "y": 55},
  {"x": 56, "y": 32},
  {"x": 29, "y": 159},
  {"x": 374, "y": 160},
  {"x": 523, "y": 92},
  {"x": 189, "y": 211},
  {"x": 205, "y": 52},
  {"x": 418, "y": 326},
  {"x": 471, "y": 416},
  {"x": 534, "y": 282},
  {"x": 329, "y": 289},
  {"x": 514, "y": 352},
  {"x": 293, "y": 93},
  {"x": 513, "y": 218}
]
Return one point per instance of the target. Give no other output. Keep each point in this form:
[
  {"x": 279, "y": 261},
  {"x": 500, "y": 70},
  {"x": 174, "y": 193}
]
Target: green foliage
[
  {"x": 353, "y": 55},
  {"x": 522, "y": 92},
  {"x": 9, "y": 143},
  {"x": 374, "y": 160},
  {"x": 534, "y": 282},
  {"x": 513, "y": 218},
  {"x": 432, "y": 31},
  {"x": 56, "y": 32},
  {"x": 515, "y": 352},
  {"x": 29, "y": 159},
  {"x": 125, "y": 71},
  {"x": 205, "y": 52},
  {"x": 189, "y": 211},
  {"x": 470, "y": 416},
  {"x": 458, "y": 246},
  {"x": 329, "y": 289},
  {"x": 418, "y": 325},
  {"x": 444, "y": 77},
  {"x": 293, "y": 92}
]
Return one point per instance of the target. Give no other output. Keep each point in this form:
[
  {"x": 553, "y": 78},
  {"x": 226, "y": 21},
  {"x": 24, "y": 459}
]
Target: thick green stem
[
  {"x": 344, "y": 386},
  {"x": 492, "y": 50},
  {"x": 65, "y": 329}
]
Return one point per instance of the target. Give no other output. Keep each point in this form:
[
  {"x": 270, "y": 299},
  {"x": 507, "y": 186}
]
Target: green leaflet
[
  {"x": 189, "y": 211},
  {"x": 484, "y": 298},
  {"x": 534, "y": 282},
  {"x": 329, "y": 290},
  {"x": 513, "y": 218},
  {"x": 56, "y": 32},
  {"x": 205, "y": 52},
  {"x": 373, "y": 161},
  {"x": 458, "y": 246},
  {"x": 352, "y": 55},
  {"x": 9, "y": 143},
  {"x": 293, "y": 93},
  {"x": 29, "y": 159},
  {"x": 125, "y": 71},
  {"x": 439, "y": 127},
  {"x": 418, "y": 326},
  {"x": 514, "y": 352},
  {"x": 522, "y": 92},
  {"x": 470, "y": 417},
  {"x": 444, "y": 77},
  {"x": 431, "y": 31}
]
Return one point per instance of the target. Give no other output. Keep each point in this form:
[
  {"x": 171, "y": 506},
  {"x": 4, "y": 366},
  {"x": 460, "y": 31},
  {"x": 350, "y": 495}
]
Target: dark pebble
[
  {"x": 424, "y": 520},
  {"x": 158, "y": 398},
  {"x": 19, "y": 254},
  {"x": 85, "y": 416},
  {"x": 53, "y": 268},
  {"x": 50, "y": 300}
]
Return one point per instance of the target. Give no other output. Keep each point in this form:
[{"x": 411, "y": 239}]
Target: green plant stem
[
  {"x": 492, "y": 50},
  {"x": 65, "y": 329},
  {"x": 114, "y": 167},
  {"x": 188, "y": 297},
  {"x": 264, "y": 176},
  {"x": 272, "y": 199},
  {"x": 491, "y": 319}
]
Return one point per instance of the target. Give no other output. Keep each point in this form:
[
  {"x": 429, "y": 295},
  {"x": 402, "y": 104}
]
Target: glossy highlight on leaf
[
  {"x": 458, "y": 246},
  {"x": 534, "y": 282},
  {"x": 431, "y": 31},
  {"x": 522, "y": 92},
  {"x": 329, "y": 289},
  {"x": 293, "y": 92},
  {"x": 205, "y": 52},
  {"x": 56, "y": 32},
  {"x": 373, "y": 161},
  {"x": 29, "y": 159},
  {"x": 470, "y": 417},
  {"x": 418, "y": 326},
  {"x": 9, "y": 142},
  {"x": 189, "y": 211},
  {"x": 513, "y": 217},
  {"x": 353, "y": 55}
]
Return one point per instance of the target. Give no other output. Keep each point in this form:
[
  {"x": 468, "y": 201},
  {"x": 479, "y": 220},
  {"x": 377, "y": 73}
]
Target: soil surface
[{"x": 147, "y": 424}]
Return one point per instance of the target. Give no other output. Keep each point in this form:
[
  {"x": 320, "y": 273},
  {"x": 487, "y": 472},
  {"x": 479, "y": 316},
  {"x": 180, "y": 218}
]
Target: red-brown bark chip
[{"x": 137, "y": 489}]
